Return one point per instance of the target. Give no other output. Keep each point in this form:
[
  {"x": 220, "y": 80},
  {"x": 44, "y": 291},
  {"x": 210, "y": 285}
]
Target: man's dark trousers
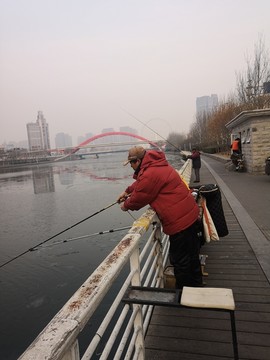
[{"x": 184, "y": 256}]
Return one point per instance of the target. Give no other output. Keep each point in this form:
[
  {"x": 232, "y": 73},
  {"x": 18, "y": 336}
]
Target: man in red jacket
[
  {"x": 196, "y": 163},
  {"x": 158, "y": 184}
]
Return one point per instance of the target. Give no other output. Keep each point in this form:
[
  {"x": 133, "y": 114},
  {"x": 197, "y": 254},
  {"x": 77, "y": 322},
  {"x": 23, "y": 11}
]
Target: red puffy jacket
[{"x": 159, "y": 185}]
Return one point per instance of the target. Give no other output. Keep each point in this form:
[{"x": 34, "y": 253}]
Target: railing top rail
[
  {"x": 70, "y": 320},
  {"x": 58, "y": 336}
]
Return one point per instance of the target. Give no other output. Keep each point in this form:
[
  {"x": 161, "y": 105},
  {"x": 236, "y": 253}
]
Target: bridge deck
[{"x": 201, "y": 334}]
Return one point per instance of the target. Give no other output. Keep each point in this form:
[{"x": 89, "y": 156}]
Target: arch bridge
[
  {"x": 95, "y": 146},
  {"x": 115, "y": 133}
]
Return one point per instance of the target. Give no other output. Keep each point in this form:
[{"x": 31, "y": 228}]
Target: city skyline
[
  {"x": 63, "y": 139},
  {"x": 95, "y": 65}
]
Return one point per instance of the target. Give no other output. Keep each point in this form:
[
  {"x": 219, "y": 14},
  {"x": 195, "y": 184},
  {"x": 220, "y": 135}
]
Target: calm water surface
[{"x": 38, "y": 203}]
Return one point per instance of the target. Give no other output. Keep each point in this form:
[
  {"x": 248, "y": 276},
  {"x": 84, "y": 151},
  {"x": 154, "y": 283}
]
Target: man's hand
[
  {"x": 123, "y": 207},
  {"x": 122, "y": 197}
]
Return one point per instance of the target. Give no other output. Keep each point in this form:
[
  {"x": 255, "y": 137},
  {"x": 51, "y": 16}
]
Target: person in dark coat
[
  {"x": 158, "y": 184},
  {"x": 196, "y": 163}
]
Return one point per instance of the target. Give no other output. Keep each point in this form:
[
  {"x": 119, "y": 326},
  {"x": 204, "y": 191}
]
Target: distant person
[
  {"x": 236, "y": 146},
  {"x": 196, "y": 163},
  {"x": 158, "y": 184},
  {"x": 236, "y": 152}
]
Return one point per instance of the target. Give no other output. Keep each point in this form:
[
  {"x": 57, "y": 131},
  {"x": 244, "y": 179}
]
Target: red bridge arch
[{"x": 113, "y": 133}]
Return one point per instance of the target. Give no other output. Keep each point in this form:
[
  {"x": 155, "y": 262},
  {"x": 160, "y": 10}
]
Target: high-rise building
[
  {"x": 63, "y": 140},
  {"x": 206, "y": 104},
  {"x": 128, "y": 129},
  {"x": 88, "y": 135},
  {"x": 84, "y": 138},
  {"x": 107, "y": 130},
  {"x": 38, "y": 134},
  {"x": 34, "y": 136}
]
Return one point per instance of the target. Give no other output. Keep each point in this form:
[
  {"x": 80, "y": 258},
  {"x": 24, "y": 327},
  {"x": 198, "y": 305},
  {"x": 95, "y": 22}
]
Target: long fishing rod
[
  {"x": 134, "y": 117},
  {"x": 61, "y": 232},
  {"x": 84, "y": 237}
]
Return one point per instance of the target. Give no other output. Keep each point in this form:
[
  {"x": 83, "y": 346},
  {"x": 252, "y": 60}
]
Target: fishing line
[
  {"x": 128, "y": 211},
  {"x": 134, "y": 117},
  {"x": 84, "y": 236},
  {"x": 61, "y": 232},
  {"x": 131, "y": 215}
]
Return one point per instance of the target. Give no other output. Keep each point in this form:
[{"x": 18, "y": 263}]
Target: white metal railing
[{"x": 124, "y": 336}]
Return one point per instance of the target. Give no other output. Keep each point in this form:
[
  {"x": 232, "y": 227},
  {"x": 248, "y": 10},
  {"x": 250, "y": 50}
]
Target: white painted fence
[{"x": 123, "y": 337}]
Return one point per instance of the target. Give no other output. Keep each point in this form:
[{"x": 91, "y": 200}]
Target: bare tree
[
  {"x": 250, "y": 84},
  {"x": 218, "y": 133},
  {"x": 209, "y": 131},
  {"x": 199, "y": 133},
  {"x": 175, "y": 141}
]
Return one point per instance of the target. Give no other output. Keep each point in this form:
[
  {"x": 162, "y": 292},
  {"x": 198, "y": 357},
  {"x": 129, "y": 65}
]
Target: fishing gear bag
[
  {"x": 212, "y": 195},
  {"x": 267, "y": 166}
]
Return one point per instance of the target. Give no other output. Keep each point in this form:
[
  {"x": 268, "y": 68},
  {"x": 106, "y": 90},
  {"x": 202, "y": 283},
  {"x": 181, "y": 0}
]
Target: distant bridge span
[{"x": 93, "y": 138}]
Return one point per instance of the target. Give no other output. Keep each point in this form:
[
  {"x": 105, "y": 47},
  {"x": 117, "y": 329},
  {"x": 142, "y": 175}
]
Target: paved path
[
  {"x": 249, "y": 197},
  {"x": 239, "y": 261},
  {"x": 253, "y": 192}
]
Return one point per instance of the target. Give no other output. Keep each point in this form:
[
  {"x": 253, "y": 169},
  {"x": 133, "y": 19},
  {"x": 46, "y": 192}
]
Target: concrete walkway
[
  {"x": 239, "y": 261},
  {"x": 249, "y": 197}
]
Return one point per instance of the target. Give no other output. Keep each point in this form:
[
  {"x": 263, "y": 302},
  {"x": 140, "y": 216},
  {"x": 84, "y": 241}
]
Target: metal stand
[{"x": 200, "y": 299}]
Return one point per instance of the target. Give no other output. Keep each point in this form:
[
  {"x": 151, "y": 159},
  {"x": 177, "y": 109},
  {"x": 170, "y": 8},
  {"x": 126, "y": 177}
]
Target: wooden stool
[{"x": 212, "y": 299}]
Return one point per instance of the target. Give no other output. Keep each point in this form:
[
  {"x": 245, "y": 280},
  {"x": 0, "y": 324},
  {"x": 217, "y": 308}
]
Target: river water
[{"x": 36, "y": 204}]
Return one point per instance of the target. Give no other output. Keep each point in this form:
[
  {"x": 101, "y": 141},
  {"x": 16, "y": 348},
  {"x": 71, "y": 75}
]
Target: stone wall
[
  {"x": 261, "y": 144},
  {"x": 254, "y": 127}
]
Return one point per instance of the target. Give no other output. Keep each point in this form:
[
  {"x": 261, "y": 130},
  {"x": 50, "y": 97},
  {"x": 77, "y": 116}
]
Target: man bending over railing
[{"x": 158, "y": 184}]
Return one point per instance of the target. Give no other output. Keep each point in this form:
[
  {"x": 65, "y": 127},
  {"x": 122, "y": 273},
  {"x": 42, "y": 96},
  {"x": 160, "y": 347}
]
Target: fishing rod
[
  {"x": 61, "y": 232},
  {"x": 140, "y": 121},
  {"x": 84, "y": 236}
]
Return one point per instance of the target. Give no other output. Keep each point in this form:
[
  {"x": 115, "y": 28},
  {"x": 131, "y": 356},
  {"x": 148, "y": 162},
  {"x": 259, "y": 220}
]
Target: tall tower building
[
  {"x": 206, "y": 104},
  {"x": 63, "y": 140},
  {"x": 38, "y": 134}
]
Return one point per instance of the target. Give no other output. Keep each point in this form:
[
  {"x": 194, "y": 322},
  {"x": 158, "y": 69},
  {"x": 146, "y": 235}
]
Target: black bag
[
  {"x": 267, "y": 166},
  {"x": 212, "y": 195}
]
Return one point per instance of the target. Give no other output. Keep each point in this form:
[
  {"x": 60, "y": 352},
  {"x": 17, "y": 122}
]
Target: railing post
[
  {"x": 157, "y": 239},
  {"x": 73, "y": 353},
  {"x": 138, "y": 321}
]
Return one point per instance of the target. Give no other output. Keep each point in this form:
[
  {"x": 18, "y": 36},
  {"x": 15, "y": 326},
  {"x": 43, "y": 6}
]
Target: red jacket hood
[{"x": 152, "y": 158}]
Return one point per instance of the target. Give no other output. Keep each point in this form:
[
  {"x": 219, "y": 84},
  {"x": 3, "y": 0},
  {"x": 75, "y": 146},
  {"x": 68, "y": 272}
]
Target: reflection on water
[
  {"x": 43, "y": 180},
  {"x": 43, "y": 176},
  {"x": 66, "y": 177},
  {"x": 37, "y": 203}
]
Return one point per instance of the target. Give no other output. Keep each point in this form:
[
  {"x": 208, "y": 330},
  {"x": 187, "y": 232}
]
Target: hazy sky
[{"x": 82, "y": 62}]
